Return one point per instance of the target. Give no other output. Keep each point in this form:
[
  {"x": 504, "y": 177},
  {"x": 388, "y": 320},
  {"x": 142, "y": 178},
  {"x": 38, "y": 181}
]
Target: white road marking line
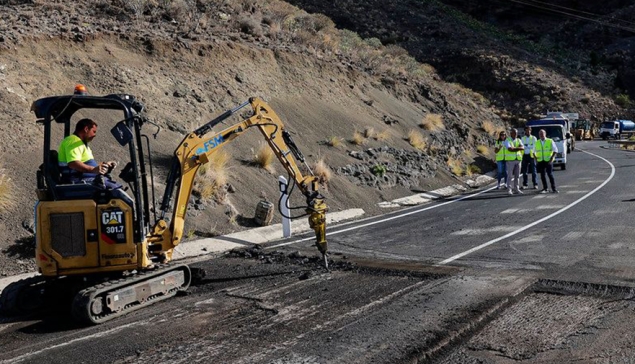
[
  {"x": 616, "y": 246},
  {"x": 493, "y": 229},
  {"x": 549, "y": 207},
  {"x": 529, "y": 239},
  {"x": 573, "y": 235},
  {"x": 383, "y": 220},
  {"x": 546, "y": 195},
  {"x": 484, "y": 245},
  {"x": 603, "y": 212},
  {"x": 510, "y": 211}
]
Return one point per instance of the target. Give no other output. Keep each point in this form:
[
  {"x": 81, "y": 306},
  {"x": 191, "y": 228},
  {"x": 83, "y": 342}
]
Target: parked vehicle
[
  {"x": 556, "y": 130},
  {"x": 569, "y": 120},
  {"x": 584, "y": 130},
  {"x": 615, "y": 128}
]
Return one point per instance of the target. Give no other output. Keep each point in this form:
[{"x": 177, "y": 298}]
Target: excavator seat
[
  {"x": 61, "y": 188},
  {"x": 55, "y": 175}
]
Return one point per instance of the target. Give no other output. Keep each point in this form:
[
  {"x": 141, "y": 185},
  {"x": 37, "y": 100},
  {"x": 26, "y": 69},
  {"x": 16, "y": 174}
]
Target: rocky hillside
[
  {"x": 383, "y": 123},
  {"x": 525, "y": 60},
  {"x": 595, "y": 37}
]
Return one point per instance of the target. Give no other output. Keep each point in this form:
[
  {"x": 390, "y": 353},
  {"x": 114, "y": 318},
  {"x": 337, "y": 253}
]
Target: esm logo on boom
[{"x": 210, "y": 144}]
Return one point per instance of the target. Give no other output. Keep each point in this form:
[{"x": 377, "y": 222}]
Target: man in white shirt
[{"x": 529, "y": 163}]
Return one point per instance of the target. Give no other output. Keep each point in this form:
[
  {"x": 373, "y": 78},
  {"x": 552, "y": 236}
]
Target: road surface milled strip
[
  {"x": 73, "y": 341},
  {"x": 484, "y": 245}
]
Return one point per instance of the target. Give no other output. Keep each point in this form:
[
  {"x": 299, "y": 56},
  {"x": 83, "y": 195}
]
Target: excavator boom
[{"x": 197, "y": 148}]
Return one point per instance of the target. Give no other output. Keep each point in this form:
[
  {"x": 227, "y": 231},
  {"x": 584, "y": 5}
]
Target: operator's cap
[{"x": 80, "y": 90}]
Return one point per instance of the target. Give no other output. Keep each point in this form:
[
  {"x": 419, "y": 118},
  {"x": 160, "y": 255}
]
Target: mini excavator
[{"x": 99, "y": 245}]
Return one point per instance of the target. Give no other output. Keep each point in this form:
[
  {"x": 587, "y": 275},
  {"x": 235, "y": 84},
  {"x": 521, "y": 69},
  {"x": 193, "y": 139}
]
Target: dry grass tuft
[
  {"x": 322, "y": 172},
  {"x": 383, "y": 135},
  {"x": 472, "y": 169},
  {"x": 212, "y": 183},
  {"x": 483, "y": 149},
  {"x": 432, "y": 122},
  {"x": 249, "y": 25},
  {"x": 232, "y": 213},
  {"x": 264, "y": 157},
  {"x": 334, "y": 141},
  {"x": 358, "y": 138},
  {"x": 456, "y": 166},
  {"x": 488, "y": 127},
  {"x": 7, "y": 199},
  {"x": 417, "y": 140}
]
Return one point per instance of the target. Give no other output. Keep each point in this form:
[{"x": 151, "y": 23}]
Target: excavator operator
[{"x": 75, "y": 158}]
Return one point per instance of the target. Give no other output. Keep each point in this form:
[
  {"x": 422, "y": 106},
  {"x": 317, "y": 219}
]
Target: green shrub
[
  {"x": 623, "y": 100},
  {"x": 378, "y": 170},
  {"x": 350, "y": 40}
]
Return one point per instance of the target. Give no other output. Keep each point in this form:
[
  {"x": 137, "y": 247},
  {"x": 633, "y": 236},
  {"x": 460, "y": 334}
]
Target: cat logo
[
  {"x": 113, "y": 226},
  {"x": 112, "y": 217}
]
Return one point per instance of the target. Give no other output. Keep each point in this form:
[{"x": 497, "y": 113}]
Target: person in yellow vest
[
  {"x": 545, "y": 153},
  {"x": 513, "y": 155},
  {"x": 529, "y": 163},
  {"x": 75, "y": 158},
  {"x": 500, "y": 160}
]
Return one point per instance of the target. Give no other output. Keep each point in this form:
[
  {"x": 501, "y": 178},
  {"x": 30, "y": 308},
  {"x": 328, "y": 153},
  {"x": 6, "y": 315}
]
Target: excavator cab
[{"x": 87, "y": 226}]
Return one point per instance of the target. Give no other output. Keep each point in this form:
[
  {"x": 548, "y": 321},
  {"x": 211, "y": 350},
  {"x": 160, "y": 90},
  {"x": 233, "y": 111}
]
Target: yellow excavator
[{"x": 110, "y": 251}]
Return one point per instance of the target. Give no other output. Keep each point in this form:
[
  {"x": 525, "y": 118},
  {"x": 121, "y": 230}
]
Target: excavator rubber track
[
  {"x": 105, "y": 301},
  {"x": 23, "y": 296}
]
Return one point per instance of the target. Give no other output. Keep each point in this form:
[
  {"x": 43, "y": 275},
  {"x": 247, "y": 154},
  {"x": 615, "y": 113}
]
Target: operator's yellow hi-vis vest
[
  {"x": 544, "y": 150},
  {"x": 513, "y": 156},
  {"x": 500, "y": 155}
]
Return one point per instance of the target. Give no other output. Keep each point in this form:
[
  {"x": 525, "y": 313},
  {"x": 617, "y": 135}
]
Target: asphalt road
[
  {"x": 449, "y": 281},
  {"x": 583, "y": 232}
]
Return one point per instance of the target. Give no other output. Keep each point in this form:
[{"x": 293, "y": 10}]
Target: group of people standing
[{"x": 516, "y": 156}]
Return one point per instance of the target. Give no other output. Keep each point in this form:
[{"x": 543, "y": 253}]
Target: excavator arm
[{"x": 196, "y": 149}]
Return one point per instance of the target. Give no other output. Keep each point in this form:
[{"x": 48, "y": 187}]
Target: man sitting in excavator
[{"x": 75, "y": 158}]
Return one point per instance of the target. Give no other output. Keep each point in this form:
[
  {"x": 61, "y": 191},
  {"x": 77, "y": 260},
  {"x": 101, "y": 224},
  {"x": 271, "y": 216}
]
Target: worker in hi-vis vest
[
  {"x": 528, "y": 164},
  {"x": 500, "y": 160},
  {"x": 513, "y": 155},
  {"x": 545, "y": 153}
]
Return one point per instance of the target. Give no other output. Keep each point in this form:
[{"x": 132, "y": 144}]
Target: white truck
[
  {"x": 569, "y": 120},
  {"x": 615, "y": 129}
]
